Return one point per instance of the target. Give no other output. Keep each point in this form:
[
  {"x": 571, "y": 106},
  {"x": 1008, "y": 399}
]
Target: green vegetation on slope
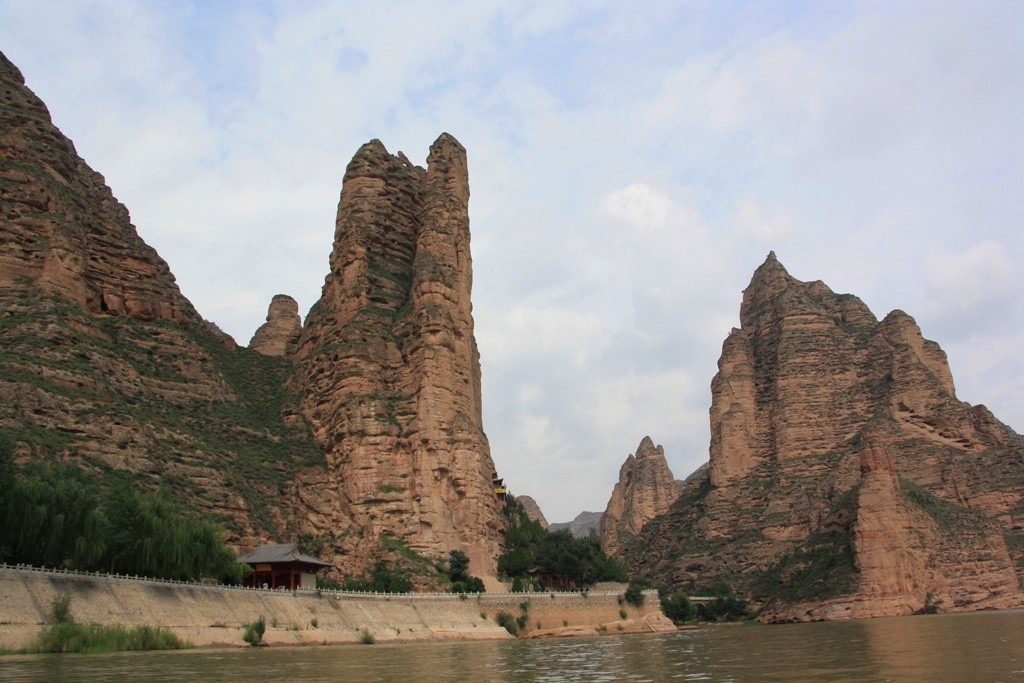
[
  {"x": 152, "y": 380},
  {"x": 58, "y": 515},
  {"x": 562, "y": 559}
]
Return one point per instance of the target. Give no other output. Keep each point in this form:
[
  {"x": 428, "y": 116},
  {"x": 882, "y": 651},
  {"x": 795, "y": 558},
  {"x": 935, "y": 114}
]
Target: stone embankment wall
[{"x": 217, "y": 615}]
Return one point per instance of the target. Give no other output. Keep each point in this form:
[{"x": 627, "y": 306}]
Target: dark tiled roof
[{"x": 269, "y": 554}]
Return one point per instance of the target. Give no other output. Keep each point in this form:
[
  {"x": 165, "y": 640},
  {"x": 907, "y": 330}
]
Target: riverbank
[{"x": 216, "y": 616}]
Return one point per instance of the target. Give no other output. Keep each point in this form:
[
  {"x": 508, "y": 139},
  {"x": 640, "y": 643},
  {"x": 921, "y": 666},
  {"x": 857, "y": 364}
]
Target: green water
[{"x": 982, "y": 647}]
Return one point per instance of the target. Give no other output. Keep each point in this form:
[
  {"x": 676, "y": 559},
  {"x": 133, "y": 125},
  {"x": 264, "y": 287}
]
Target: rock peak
[
  {"x": 391, "y": 365},
  {"x": 8, "y": 70},
  {"x": 646, "y": 489},
  {"x": 826, "y": 421},
  {"x": 277, "y": 336},
  {"x": 769, "y": 280}
]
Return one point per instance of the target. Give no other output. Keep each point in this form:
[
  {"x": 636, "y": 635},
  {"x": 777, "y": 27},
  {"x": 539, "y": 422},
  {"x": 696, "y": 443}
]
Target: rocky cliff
[
  {"x": 390, "y": 372},
  {"x": 845, "y": 477},
  {"x": 532, "y": 510},
  {"x": 278, "y": 336},
  {"x": 103, "y": 361},
  {"x": 358, "y": 433},
  {"x": 645, "y": 490}
]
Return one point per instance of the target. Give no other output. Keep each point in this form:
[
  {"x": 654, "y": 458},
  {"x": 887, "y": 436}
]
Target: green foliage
[
  {"x": 508, "y": 622},
  {"x": 326, "y": 583},
  {"x": 458, "y": 574},
  {"x": 676, "y": 606},
  {"x": 569, "y": 560},
  {"x": 947, "y": 515},
  {"x": 366, "y": 638},
  {"x": 930, "y": 606},
  {"x": 67, "y": 636},
  {"x": 383, "y": 578},
  {"x": 458, "y": 566},
  {"x": 60, "y": 608},
  {"x": 821, "y": 568},
  {"x": 253, "y": 633},
  {"x": 57, "y": 515},
  {"x": 727, "y": 606},
  {"x": 634, "y": 595}
]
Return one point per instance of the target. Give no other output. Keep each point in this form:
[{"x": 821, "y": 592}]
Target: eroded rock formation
[
  {"x": 390, "y": 368},
  {"x": 845, "y": 477},
  {"x": 103, "y": 361},
  {"x": 278, "y": 336},
  {"x": 532, "y": 510},
  {"x": 645, "y": 490},
  {"x": 360, "y": 433}
]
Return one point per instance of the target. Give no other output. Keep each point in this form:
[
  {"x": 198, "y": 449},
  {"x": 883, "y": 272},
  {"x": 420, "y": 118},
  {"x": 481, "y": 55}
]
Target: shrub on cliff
[{"x": 458, "y": 574}]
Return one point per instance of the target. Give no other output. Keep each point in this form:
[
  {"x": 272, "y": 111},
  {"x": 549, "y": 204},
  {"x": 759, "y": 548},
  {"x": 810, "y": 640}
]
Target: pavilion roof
[{"x": 271, "y": 553}]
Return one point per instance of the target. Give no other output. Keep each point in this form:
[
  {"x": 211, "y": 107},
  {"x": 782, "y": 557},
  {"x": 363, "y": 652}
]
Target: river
[{"x": 983, "y": 647}]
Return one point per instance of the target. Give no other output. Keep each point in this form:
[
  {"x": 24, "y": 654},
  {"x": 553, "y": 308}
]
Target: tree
[
  {"x": 676, "y": 606},
  {"x": 458, "y": 566}
]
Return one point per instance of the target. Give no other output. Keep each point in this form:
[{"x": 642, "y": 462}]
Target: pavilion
[{"x": 282, "y": 566}]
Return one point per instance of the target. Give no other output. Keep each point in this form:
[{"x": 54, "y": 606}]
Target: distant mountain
[
  {"x": 845, "y": 479},
  {"x": 585, "y": 523}
]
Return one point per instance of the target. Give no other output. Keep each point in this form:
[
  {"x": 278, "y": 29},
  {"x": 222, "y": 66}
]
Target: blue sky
[{"x": 631, "y": 164}]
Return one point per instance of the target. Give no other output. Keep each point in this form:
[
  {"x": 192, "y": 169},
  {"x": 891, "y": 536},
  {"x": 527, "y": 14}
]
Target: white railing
[{"x": 337, "y": 592}]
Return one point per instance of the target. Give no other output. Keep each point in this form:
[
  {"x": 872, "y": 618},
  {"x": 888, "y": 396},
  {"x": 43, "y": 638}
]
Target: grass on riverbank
[
  {"x": 72, "y": 637},
  {"x": 68, "y": 636}
]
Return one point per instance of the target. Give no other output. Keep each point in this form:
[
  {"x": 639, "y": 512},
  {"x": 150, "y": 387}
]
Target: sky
[{"x": 631, "y": 164}]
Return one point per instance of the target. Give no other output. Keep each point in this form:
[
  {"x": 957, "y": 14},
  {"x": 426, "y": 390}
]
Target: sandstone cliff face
[
  {"x": 645, "y": 490},
  {"x": 65, "y": 234},
  {"x": 390, "y": 369},
  {"x": 278, "y": 336},
  {"x": 103, "y": 361},
  {"x": 532, "y": 510},
  {"x": 845, "y": 477},
  {"x": 358, "y": 433}
]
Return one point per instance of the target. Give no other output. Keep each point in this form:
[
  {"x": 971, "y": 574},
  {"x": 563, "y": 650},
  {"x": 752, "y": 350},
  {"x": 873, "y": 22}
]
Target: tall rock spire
[{"x": 391, "y": 376}]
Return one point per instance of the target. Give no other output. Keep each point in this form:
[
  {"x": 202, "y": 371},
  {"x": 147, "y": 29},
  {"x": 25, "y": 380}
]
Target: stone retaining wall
[{"x": 217, "y": 615}]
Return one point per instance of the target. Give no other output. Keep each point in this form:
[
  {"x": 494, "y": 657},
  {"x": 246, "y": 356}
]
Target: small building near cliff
[{"x": 282, "y": 566}]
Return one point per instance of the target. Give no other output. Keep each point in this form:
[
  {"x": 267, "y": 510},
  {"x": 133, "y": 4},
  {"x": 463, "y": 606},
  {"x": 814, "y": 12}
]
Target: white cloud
[{"x": 751, "y": 221}]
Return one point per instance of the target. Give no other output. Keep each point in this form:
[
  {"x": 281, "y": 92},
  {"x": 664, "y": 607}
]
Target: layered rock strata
[
  {"x": 645, "y": 490},
  {"x": 390, "y": 369},
  {"x": 102, "y": 359},
  {"x": 845, "y": 478},
  {"x": 278, "y": 336},
  {"x": 65, "y": 234},
  {"x": 360, "y": 434}
]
